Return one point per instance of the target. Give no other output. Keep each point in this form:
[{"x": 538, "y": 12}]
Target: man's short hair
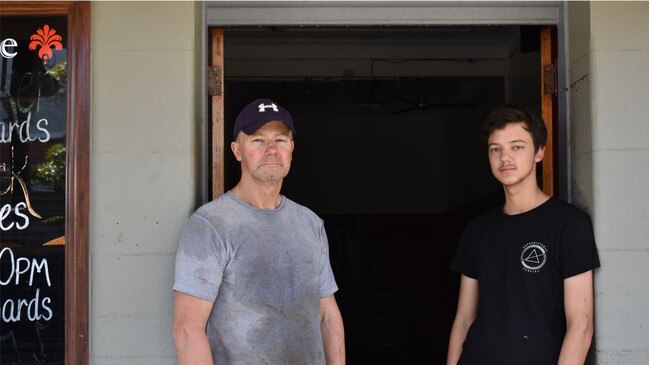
[{"x": 509, "y": 113}]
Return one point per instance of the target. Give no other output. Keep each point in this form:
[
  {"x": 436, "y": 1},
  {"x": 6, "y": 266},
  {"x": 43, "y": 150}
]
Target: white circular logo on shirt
[{"x": 534, "y": 256}]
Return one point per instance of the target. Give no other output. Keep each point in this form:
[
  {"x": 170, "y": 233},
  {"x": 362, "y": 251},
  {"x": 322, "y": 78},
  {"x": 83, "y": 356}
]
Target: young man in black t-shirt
[{"x": 526, "y": 291}]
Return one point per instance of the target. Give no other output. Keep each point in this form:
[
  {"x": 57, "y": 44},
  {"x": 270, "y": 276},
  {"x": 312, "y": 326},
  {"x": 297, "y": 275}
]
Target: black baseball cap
[{"x": 259, "y": 112}]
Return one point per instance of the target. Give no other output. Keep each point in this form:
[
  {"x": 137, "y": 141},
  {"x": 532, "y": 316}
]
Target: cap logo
[{"x": 263, "y": 107}]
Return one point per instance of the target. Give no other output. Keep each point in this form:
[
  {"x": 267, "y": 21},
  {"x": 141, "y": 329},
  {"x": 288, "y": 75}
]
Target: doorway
[{"x": 389, "y": 154}]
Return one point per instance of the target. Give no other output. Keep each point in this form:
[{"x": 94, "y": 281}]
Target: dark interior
[{"x": 392, "y": 161}]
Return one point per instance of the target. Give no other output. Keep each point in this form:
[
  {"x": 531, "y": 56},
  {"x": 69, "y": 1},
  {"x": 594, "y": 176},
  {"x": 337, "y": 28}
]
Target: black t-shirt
[{"x": 520, "y": 262}]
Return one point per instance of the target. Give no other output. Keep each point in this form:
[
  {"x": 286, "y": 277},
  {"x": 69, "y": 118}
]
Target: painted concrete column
[
  {"x": 609, "y": 102},
  {"x": 143, "y": 172}
]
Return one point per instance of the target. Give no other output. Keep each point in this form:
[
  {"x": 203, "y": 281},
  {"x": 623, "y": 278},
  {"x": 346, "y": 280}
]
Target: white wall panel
[
  {"x": 608, "y": 94},
  {"x": 142, "y": 174}
]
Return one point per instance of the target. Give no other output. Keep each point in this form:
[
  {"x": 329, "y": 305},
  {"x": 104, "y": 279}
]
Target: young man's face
[
  {"x": 266, "y": 154},
  {"x": 511, "y": 155}
]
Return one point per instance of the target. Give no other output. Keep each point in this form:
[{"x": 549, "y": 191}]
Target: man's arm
[
  {"x": 467, "y": 310},
  {"x": 190, "y": 318},
  {"x": 333, "y": 332},
  {"x": 578, "y": 303}
]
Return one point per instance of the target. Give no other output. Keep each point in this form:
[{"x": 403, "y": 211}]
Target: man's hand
[
  {"x": 578, "y": 304},
  {"x": 333, "y": 332},
  {"x": 190, "y": 318},
  {"x": 467, "y": 310}
]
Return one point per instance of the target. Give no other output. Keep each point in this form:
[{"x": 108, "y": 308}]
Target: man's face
[
  {"x": 511, "y": 155},
  {"x": 266, "y": 154}
]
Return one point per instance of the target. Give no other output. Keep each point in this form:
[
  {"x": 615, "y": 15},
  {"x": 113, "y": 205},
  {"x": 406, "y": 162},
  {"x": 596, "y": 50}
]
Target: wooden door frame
[
  {"x": 549, "y": 109},
  {"x": 215, "y": 90},
  {"x": 77, "y": 167}
]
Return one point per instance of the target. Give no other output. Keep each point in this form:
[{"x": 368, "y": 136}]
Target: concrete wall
[
  {"x": 609, "y": 98},
  {"x": 143, "y": 172}
]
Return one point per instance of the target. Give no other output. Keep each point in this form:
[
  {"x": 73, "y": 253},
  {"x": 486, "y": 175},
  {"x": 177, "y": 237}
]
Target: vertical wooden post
[
  {"x": 77, "y": 189},
  {"x": 215, "y": 89},
  {"x": 548, "y": 108}
]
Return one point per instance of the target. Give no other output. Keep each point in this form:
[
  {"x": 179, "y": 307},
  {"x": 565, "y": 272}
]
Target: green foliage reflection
[{"x": 52, "y": 171}]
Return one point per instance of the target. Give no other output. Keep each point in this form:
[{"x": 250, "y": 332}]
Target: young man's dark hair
[{"x": 511, "y": 113}]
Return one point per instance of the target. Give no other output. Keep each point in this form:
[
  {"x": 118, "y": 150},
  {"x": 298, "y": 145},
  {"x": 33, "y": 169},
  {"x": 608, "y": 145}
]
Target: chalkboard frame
[{"x": 77, "y": 167}]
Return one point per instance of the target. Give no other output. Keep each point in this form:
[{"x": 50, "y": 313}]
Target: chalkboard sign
[{"x": 33, "y": 131}]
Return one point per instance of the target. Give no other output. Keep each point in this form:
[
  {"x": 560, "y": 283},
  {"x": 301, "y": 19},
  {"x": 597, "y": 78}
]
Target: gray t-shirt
[{"x": 265, "y": 271}]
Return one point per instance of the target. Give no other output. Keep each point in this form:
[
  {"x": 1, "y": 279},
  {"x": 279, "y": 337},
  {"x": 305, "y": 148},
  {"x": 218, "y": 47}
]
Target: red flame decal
[{"x": 46, "y": 38}]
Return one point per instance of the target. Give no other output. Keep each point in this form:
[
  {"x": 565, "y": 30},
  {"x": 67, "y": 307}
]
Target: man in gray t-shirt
[{"x": 253, "y": 280}]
